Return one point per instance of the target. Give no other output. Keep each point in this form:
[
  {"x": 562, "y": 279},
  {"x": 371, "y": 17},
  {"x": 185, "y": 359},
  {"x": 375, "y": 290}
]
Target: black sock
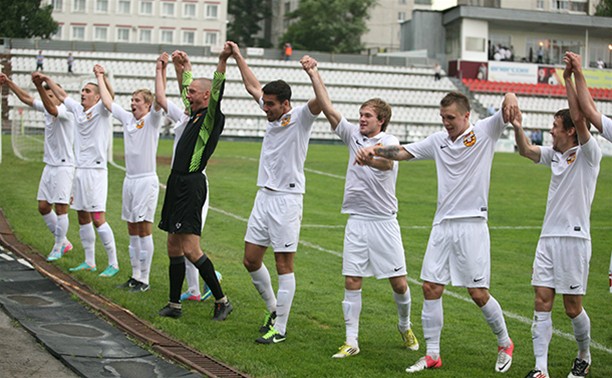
[
  {"x": 176, "y": 272},
  {"x": 207, "y": 272}
]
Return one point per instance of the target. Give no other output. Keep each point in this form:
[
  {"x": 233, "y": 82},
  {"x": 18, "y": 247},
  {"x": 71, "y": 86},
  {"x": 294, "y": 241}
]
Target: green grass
[{"x": 316, "y": 326}]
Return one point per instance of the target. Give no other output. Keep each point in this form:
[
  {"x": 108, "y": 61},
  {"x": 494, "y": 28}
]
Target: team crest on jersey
[
  {"x": 140, "y": 124},
  {"x": 571, "y": 158},
  {"x": 285, "y": 120},
  {"x": 469, "y": 140}
]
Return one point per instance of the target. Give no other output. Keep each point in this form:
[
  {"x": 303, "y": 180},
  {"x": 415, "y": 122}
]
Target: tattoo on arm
[{"x": 389, "y": 152}]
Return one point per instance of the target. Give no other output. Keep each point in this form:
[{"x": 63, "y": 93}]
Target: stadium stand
[{"x": 412, "y": 91}]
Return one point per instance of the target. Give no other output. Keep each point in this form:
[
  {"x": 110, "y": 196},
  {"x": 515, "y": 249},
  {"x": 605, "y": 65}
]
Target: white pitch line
[{"x": 507, "y": 314}]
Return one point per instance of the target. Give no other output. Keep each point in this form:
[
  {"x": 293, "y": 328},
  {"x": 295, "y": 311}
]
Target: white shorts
[
  {"x": 458, "y": 251},
  {"x": 140, "y": 198},
  {"x": 275, "y": 220},
  {"x": 56, "y": 184},
  {"x": 562, "y": 263},
  {"x": 373, "y": 247},
  {"x": 90, "y": 190}
]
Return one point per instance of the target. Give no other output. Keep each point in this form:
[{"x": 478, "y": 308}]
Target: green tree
[
  {"x": 604, "y": 8},
  {"x": 328, "y": 25},
  {"x": 246, "y": 19},
  {"x": 26, "y": 19}
]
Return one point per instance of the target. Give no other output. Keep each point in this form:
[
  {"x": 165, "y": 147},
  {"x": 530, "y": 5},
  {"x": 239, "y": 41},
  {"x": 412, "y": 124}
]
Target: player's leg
[
  {"x": 176, "y": 275},
  {"x": 351, "y": 309},
  {"x": 133, "y": 250},
  {"x": 435, "y": 273},
  {"x": 403, "y": 300},
  {"x": 191, "y": 248},
  {"x": 88, "y": 240},
  {"x": 284, "y": 213},
  {"x": 260, "y": 276},
  {"x": 108, "y": 241},
  {"x": 147, "y": 248},
  {"x": 192, "y": 274},
  {"x": 58, "y": 193},
  {"x": 573, "y": 262}
]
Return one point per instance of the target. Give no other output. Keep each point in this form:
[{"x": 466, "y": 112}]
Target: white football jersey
[
  {"x": 283, "y": 151},
  {"x": 571, "y": 190},
  {"x": 463, "y": 167},
  {"x": 180, "y": 120},
  {"x": 367, "y": 190},
  {"x": 606, "y": 125},
  {"x": 93, "y": 133},
  {"x": 140, "y": 140},
  {"x": 59, "y": 136}
]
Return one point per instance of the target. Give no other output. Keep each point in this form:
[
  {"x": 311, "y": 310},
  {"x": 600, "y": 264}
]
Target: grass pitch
[{"x": 517, "y": 202}]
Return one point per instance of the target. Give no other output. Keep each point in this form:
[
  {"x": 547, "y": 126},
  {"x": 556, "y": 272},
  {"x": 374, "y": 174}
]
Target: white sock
[
  {"x": 146, "y": 257},
  {"x": 582, "y": 333},
  {"x": 541, "y": 333},
  {"x": 403, "y": 302},
  {"x": 108, "y": 240},
  {"x": 193, "y": 278},
  {"x": 495, "y": 318},
  {"x": 432, "y": 318},
  {"x": 133, "y": 248},
  {"x": 263, "y": 284},
  {"x": 61, "y": 229},
  {"x": 51, "y": 221},
  {"x": 351, "y": 307},
  {"x": 88, "y": 239},
  {"x": 286, "y": 292}
]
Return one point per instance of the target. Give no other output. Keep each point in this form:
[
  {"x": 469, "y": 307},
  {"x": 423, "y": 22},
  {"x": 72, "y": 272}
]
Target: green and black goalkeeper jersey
[{"x": 201, "y": 135}]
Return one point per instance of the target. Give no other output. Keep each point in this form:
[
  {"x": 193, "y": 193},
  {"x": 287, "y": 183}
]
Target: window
[
  {"x": 146, "y": 7},
  {"x": 560, "y": 4},
  {"x": 212, "y": 11},
  {"x": 211, "y": 38},
  {"x": 188, "y": 37},
  {"x": 402, "y": 2},
  {"x": 57, "y": 5},
  {"x": 145, "y": 36},
  {"x": 101, "y": 6},
  {"x": 167, "y": 9},
  {"x": 475, "y": 44},
  {"x": 78, "y": 33},
  {"x": 78, "y": 5},
  {"x": 124, "y": 7},
  {"x": 401, "y": 16},
  {"x": 100, "y": 33},
  {"x": 189, "y": 10},
  {"x": 167, "y": 36},
  {"x": 540, "y": 4},
  {"x": 123, "y": 34}
]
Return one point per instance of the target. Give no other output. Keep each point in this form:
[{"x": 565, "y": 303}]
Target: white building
[{"x": 170, "y": 22}]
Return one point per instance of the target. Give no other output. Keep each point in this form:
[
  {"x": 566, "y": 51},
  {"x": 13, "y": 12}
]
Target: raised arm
[
  {"x": 21, "y": 93},
  {"x": 49, "y": 105},
  {"x": 105, "y": 95},
  {"x": 58, "y": 91},
  {"x": 587, "y": 105},
  {"x": 525, "y": 147},
  {"x": 510, "y": 108},
  {"x": 223, "y": 57},
  {"x": 578, "y": 118},
  {"x": 160, "y": 82},
  {"x": 177, "y": 61},
  {"x": 323, "y": 102},
  {"x": 251, "y": 83}
]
